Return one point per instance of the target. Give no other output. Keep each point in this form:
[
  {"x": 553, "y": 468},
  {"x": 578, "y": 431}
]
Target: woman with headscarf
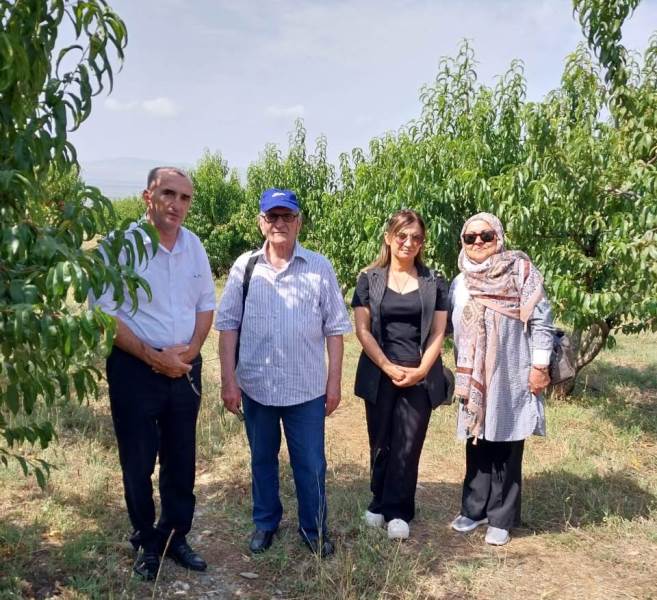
[
  {"x": 503, "y": 341},
  {"x": 400, "y": 308}
]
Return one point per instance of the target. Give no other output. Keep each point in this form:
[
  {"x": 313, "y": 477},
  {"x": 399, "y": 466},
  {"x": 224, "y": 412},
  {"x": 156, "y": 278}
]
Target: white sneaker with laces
[
  {"x": 398, "y": 529},
  {"x": 464, "y": 524},
  {"x": 496, "y": 536},
  {"x": 374, "y": 519}
]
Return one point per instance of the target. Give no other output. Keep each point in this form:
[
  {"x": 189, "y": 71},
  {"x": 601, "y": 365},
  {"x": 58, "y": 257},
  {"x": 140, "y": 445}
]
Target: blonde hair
[{"x": 398, "y": 221}]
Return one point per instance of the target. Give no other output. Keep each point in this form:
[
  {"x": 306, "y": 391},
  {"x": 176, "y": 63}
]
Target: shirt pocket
[
  {"x": 308, "y": 310},
  {"x": 192, "y": 286}
]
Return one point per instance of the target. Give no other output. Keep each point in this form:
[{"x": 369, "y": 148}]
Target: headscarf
[{"x": 505, "y": 284}]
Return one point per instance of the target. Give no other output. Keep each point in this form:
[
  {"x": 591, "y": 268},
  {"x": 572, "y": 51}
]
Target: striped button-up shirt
[{"x": 287, "y": 317}]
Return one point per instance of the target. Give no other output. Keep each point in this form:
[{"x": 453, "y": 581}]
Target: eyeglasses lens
[
  {"x": 415, "y": 238},
  {"x": 488, "y": 235},
  {"x": 287, "y": 218}
]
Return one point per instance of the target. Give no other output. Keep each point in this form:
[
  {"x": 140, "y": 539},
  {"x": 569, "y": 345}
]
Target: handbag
[
  {"x": 450, "y": 384},
  {"x": 563, "y": 365}
]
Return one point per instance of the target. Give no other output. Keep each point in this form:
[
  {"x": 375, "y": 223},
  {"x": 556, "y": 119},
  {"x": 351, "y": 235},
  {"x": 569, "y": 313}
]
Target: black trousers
[
  {"x": 155, "y": 415},
  {"x": 397, "y": 425},
  {"x": 493, "y": 482}
]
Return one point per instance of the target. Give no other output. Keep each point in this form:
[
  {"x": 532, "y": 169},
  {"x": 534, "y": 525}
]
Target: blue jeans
[{"x": 304, "y": 431}]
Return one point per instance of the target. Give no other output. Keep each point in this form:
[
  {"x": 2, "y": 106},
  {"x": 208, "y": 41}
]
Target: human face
[
  {"x": 406, "y": 243},
  {"x": 168, "y": 200},
  {"x": 278, "y": 231},
  {"x": 479, "y": 251}
]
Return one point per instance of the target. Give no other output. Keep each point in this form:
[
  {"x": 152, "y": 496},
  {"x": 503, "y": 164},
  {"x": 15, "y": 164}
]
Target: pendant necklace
[{"x": 402, "y": 288}]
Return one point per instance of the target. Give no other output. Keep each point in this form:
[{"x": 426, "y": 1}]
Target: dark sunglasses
[
  {"x": 487, "y": 235},
  {"x": 287, "y": 217},
  {"x": 417, "y": 239}
]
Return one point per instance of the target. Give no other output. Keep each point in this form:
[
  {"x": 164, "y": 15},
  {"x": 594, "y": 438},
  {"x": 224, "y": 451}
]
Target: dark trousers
[
  {"x": 493, "y": 481},
  {"x": 396, "y": 425},
  {"x": 304, "y": 431},
  {"x": 155, "y": 415}
]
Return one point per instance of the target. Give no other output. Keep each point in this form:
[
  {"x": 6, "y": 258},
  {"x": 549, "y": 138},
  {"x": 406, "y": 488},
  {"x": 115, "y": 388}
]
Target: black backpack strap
[{"x": 246, "y": 281}]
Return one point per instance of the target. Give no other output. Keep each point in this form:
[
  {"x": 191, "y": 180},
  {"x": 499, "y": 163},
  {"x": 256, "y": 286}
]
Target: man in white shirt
[
  {"x": 293, "y": 311},
  {"x": 154, "y": 375}
]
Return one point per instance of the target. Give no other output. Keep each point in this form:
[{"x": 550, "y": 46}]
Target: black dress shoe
[
  {"x": 323, "y": 550},
  {"x": 261, "y": 540},
  {"x": 183, "y": 555},
  {"x": 147, "y": 565}
]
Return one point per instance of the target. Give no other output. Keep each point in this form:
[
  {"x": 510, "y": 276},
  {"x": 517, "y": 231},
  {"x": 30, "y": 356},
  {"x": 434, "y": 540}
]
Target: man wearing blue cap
[{"x": 281, "y": 305}]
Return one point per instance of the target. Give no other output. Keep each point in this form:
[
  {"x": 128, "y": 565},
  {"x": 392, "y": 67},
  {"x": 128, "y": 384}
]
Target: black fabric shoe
[
  {"x": 183, "y": 555},
  {"x": 324, "y": 550},
  {"x": 146, "y": 565},
  {"x": 261, "y": 540}
]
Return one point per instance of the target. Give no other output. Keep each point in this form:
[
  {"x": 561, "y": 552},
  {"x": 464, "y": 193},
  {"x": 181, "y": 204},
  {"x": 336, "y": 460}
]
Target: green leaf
[{"x": 11, "y": 398}]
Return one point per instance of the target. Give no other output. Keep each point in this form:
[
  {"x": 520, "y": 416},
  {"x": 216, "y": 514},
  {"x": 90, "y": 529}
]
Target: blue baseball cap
[{"x": 275, "y": 198}]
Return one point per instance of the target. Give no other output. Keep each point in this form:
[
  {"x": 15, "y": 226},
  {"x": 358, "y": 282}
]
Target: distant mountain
[{"x": 122, "y": 176}]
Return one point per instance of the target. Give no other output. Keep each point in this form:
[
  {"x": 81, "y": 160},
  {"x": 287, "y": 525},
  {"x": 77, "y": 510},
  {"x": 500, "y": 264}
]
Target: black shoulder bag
[
  {"x": 253, "y": 259},
  {"x": 563, "y": 364}
]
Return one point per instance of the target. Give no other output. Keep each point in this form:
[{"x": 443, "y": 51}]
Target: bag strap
[{"x": 246, "y": 281}]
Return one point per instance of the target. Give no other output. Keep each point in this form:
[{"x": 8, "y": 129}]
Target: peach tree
[{"x": 49, "y": 263}]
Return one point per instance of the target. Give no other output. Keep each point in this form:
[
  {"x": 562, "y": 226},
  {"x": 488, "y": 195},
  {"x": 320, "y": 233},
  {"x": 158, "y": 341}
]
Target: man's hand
[
  {"x": 188, "y": 356},
  {"x": 169, "y": 361},
  {"x": 539, "y": 379},
  {"x": 411, "y": 377},
  {"x": 333, "y": 396},
  {"x": 231, "y": 396}
]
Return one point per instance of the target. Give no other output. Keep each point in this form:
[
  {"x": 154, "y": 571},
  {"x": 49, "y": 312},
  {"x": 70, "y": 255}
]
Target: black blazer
[{"x": 368, "y": 374}]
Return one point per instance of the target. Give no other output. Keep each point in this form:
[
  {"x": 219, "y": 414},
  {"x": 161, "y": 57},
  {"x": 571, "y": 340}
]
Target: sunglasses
[
  {"x": 287, "y": 217},
  {"x": 415, "y": 238},
  {"x": 487, "y": 235}
]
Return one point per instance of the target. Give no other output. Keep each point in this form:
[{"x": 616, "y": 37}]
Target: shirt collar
[
  {"x": 298, "y": 252},
  {"x": 181, "y": 241}
]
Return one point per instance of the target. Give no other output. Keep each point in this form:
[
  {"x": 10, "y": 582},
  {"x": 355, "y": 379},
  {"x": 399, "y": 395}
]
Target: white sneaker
[
  {"x": 496, "y": 536},
  {"x": 464, "y": 524},
  {"x": 398, "y": 529},
  {"x": 374, "y": 519}
]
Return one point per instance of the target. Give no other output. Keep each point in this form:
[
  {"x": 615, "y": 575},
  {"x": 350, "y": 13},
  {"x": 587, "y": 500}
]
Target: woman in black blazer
[{"x": 400, "y": 308}]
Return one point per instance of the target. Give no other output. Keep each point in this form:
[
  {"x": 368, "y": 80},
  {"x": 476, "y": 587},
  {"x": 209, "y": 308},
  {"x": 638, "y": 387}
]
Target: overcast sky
[{"x": 232, "y": 75}]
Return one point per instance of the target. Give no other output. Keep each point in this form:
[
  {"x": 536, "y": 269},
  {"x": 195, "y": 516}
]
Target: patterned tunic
[{"x": 512, "y": 411}]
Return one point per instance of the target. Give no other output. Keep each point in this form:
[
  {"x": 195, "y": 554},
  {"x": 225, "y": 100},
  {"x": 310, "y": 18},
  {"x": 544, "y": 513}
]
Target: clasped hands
[
  {"x": 403, "y": 376},
  {"x": 174, "y": 361}
]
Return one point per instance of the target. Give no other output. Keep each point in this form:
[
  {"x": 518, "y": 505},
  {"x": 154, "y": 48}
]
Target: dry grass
[{"x": 589, "y": 508}]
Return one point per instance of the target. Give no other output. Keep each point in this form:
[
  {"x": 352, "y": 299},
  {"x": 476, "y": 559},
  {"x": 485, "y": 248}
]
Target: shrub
[{"x": 129, "y": 209}]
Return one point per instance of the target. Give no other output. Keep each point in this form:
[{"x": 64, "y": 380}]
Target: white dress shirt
[{"x": 181, "y": 285}]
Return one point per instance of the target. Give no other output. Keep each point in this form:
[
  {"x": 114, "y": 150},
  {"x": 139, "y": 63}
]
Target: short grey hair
[{"x": 154, "y": 172}]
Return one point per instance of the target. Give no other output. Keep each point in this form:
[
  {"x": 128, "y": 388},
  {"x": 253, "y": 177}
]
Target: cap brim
[{"x": 279, "y": 204}]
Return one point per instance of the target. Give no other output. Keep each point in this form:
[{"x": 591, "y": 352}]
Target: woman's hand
[
  {"x": 539, "y": 379},
  {"x": 411, "y": 377},
  {"x": 395, "y": 372}
]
